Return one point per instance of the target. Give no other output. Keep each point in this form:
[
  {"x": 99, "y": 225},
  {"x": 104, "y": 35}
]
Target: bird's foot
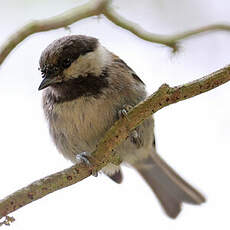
[
  {"x": 84, "y": 158},
  {"x": 124, "y": 111},
  {"x": 136, "y": 139}
]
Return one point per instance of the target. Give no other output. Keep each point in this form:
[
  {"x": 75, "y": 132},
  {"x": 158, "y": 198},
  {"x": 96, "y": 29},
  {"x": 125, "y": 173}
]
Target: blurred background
[{"x": 193, "y": 135}]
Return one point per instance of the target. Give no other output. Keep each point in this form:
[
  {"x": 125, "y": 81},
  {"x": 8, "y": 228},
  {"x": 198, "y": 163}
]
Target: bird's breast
[{"x": 76, "y": 126}]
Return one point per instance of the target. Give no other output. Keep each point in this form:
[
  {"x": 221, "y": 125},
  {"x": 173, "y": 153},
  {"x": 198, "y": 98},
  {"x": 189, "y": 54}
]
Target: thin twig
[
  {"x": 93, "y": 8},
  {"x": 167, "y": 40},
  {"x": 104, "y": 153}
]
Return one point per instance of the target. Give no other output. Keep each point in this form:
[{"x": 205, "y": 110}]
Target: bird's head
[{"x": 70, "y": 58}]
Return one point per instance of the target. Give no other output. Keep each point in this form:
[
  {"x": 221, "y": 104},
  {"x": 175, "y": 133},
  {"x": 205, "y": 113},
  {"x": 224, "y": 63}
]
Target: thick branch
[
  {"x": 163, "y": 97},
  {"x": 92, "y": 8}
]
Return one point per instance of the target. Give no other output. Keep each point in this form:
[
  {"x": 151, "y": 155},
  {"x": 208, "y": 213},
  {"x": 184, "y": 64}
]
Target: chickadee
[{"x": 86, "y": 88}]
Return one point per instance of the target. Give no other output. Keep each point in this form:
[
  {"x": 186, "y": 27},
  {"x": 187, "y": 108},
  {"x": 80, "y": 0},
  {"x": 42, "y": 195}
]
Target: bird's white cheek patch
[{"x": 92, "y": 62}]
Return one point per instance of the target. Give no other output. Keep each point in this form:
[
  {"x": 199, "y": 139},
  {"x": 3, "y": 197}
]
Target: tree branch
[
  {"x": 89, "y": 9},
  {"x": 93, "y": 8},
  {"x": 105, "y": 153},
  {"x": 167, "y": 40}
]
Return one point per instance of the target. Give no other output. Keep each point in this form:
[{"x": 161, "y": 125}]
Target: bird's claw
[
  {"x": 124, "y": 111},
  {"x": 84, "y": 158},
  {"x": 135, "y": 139}
]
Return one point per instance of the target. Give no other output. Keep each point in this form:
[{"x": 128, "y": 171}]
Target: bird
[{"x": 86, "y": 88}]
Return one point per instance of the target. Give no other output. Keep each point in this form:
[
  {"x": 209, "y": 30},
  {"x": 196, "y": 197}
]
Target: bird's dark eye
[{"x": 66, "y": 63}]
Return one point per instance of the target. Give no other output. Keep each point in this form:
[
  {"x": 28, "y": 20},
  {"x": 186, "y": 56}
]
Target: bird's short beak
[{"x": 47, "y": 81}]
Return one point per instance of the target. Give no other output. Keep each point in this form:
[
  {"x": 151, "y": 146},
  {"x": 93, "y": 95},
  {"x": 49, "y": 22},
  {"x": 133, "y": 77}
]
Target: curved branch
[
  {"x": 104, "y": 153},
  {"x": 89, "y": 9},
  {"x": 167, "y": 40},
  {"x": 93, "y": 8}
]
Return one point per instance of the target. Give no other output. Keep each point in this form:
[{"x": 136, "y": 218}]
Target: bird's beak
[{"x": 47, "y": 81}]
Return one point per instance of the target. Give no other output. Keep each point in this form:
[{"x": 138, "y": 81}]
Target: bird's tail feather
[{"x": 169, "y": 187}]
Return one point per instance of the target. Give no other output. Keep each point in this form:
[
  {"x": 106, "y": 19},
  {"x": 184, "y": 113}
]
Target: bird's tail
[{"x": 169, "y": 187}]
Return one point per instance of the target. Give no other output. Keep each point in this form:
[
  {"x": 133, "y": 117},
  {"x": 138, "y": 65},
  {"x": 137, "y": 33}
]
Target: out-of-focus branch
[
  {"x": 105, "y": 151},
  {"x": 93, "y": 8},
  {"x": 167, "y": 40}
]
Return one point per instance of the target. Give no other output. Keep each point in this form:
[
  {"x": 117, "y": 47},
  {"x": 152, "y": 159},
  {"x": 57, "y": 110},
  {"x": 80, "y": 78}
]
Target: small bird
[{"x": 86, "y": 89}]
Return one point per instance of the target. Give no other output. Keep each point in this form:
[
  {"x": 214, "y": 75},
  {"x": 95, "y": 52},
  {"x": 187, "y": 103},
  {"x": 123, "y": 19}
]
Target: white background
[{"x": 193, "y": 135}]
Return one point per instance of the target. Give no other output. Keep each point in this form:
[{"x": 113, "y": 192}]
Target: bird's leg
[{"x": 84, "y": 158}]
